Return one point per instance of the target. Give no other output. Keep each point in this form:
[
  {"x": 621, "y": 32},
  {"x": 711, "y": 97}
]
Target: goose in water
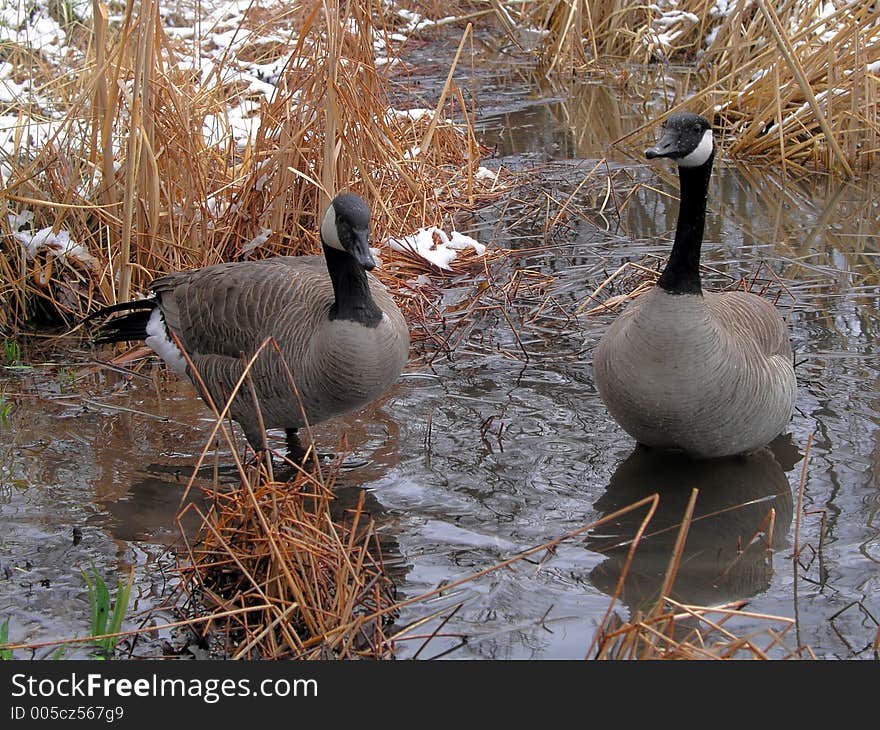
[
  {"x": 707, "y": 373},
  {"x": 338, "y": 330}
]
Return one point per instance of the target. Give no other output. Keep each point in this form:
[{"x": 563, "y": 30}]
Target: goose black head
[
  {"x": 687, "y": 140},
  {"x": 346, "y": 227}
]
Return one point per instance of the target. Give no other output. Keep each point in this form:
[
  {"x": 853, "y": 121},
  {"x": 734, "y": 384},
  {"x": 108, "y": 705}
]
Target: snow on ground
[
  {"x": 436, "y": 246},
  {"x": 58, "y": 244}
]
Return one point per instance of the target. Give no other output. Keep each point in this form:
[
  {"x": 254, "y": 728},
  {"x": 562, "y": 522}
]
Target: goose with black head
[
  {"x": 707, "y": 373},
  {"x": 339, "y": 332}
]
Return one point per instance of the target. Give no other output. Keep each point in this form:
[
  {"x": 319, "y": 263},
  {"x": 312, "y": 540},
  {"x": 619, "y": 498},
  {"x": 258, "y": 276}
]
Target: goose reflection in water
[{"x": 726, "y": 554}]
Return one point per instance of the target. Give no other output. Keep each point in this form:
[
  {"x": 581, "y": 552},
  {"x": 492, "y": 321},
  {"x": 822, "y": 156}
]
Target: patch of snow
[
  {"x": 58, "y": 244},
  {"x": 436, "y": 246},
  {"x": 484, "y": 173}
]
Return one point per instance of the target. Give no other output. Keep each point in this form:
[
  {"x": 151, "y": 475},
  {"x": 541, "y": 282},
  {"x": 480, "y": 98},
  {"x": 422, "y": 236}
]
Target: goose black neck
[
  {"x": 351, "y": 290},
  {"x": 682, "y": 272}
]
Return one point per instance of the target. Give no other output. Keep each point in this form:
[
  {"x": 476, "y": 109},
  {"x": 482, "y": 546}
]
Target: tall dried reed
[
  {"x": 145, "y": 173},
  {"x": 792, "y": 83}
]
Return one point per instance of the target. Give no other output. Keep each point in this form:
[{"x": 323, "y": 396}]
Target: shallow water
[{"x": 504, "y": 444}]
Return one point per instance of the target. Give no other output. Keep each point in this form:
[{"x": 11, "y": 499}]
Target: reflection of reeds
[
  {"x": 818, "y": 232},
  {"x": 595, "y": 114},
  {"x": 790, "y": 83},
  {"x": 822, "y": 230}
]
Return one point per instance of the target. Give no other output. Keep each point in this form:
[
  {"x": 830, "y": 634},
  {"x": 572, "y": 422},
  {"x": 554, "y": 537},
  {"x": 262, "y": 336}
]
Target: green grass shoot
[
  {"x": 107, "y": 618},
  {"x": 5, "y": 654}
]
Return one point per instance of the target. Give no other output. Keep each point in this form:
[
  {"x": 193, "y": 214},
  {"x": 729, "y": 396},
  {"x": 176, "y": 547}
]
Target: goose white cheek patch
[
  {"x": 329, "y": 234},
  {"x": 700, "y": 154}
]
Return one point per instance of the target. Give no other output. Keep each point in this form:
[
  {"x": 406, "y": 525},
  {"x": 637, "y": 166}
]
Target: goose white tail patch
[
  {"x": 159, "y": 341},
  {"x": 700, "y": 154},
  {"x": 329, "y": 234}
]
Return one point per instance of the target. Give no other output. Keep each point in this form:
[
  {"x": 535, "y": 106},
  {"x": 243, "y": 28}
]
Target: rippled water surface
[{"x": 503, "y": 444}]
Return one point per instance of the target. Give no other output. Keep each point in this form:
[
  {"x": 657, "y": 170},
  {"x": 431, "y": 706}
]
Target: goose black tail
[{"x": 130, "y": 327}]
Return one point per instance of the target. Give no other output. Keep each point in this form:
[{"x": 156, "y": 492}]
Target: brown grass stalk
[
  {"x": 160, "y": 195},
  {"x": 787, "y": 83}
]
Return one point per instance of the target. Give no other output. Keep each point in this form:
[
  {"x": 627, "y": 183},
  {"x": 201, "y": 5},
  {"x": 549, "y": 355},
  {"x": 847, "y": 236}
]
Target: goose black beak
[
  {"x": 361, "y": 250},
  {"x": 666, "y": 147}
]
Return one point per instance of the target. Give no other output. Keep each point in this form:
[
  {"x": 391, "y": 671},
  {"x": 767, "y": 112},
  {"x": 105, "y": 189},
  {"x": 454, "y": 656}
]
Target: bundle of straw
[{"x": 283, "y": 577}]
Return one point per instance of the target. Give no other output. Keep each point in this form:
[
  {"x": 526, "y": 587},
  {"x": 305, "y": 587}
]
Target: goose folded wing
[
  {"x": 230, "y": 309},
  {"x": 752, "y": 320}
]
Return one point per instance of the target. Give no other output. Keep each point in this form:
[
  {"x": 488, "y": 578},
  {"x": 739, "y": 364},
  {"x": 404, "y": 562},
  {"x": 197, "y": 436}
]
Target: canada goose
[
  {"x": 710, "y": 374},
  {"x": 342, "y": 336}
]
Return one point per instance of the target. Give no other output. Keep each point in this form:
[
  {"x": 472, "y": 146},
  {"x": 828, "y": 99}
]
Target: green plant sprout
[{"x": 105, "y": 620}]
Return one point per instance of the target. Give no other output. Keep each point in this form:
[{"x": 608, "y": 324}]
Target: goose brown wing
[
  {"x": 751, "y": 318},
  {"x": 227, "y": 309}
]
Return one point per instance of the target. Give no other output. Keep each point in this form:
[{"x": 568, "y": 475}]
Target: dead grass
[
  {"x": 674, "y": 630},
  {"x": 808, "y": 99},
  {"x": 146, "y": 173},
  {"x": 144, "y": 170},
  {"x": 789, "y": 83},
  {"x": 669, "y": 629},
  {"x": 588, "y": 32},
  {"x": 632, "y": 279},
  {"x": 284, "y": 577}
]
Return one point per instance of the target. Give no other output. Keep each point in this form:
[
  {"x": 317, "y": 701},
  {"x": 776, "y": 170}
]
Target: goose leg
[{"x": 295, "y": 450}]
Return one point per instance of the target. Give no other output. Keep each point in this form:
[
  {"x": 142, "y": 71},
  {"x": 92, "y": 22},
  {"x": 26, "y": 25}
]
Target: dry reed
[
  {"x": 797, "y": 87},
  {"x": 632, "y": 279},
  {"x": 146, "y": 173},
  {"x": 285, "y": 577},
  {"x": 586, "y": 32},
  {"x": 675, "y": 630},
  {"x": 670, "y": 629},
  {"x": 790, "y": 83}
]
